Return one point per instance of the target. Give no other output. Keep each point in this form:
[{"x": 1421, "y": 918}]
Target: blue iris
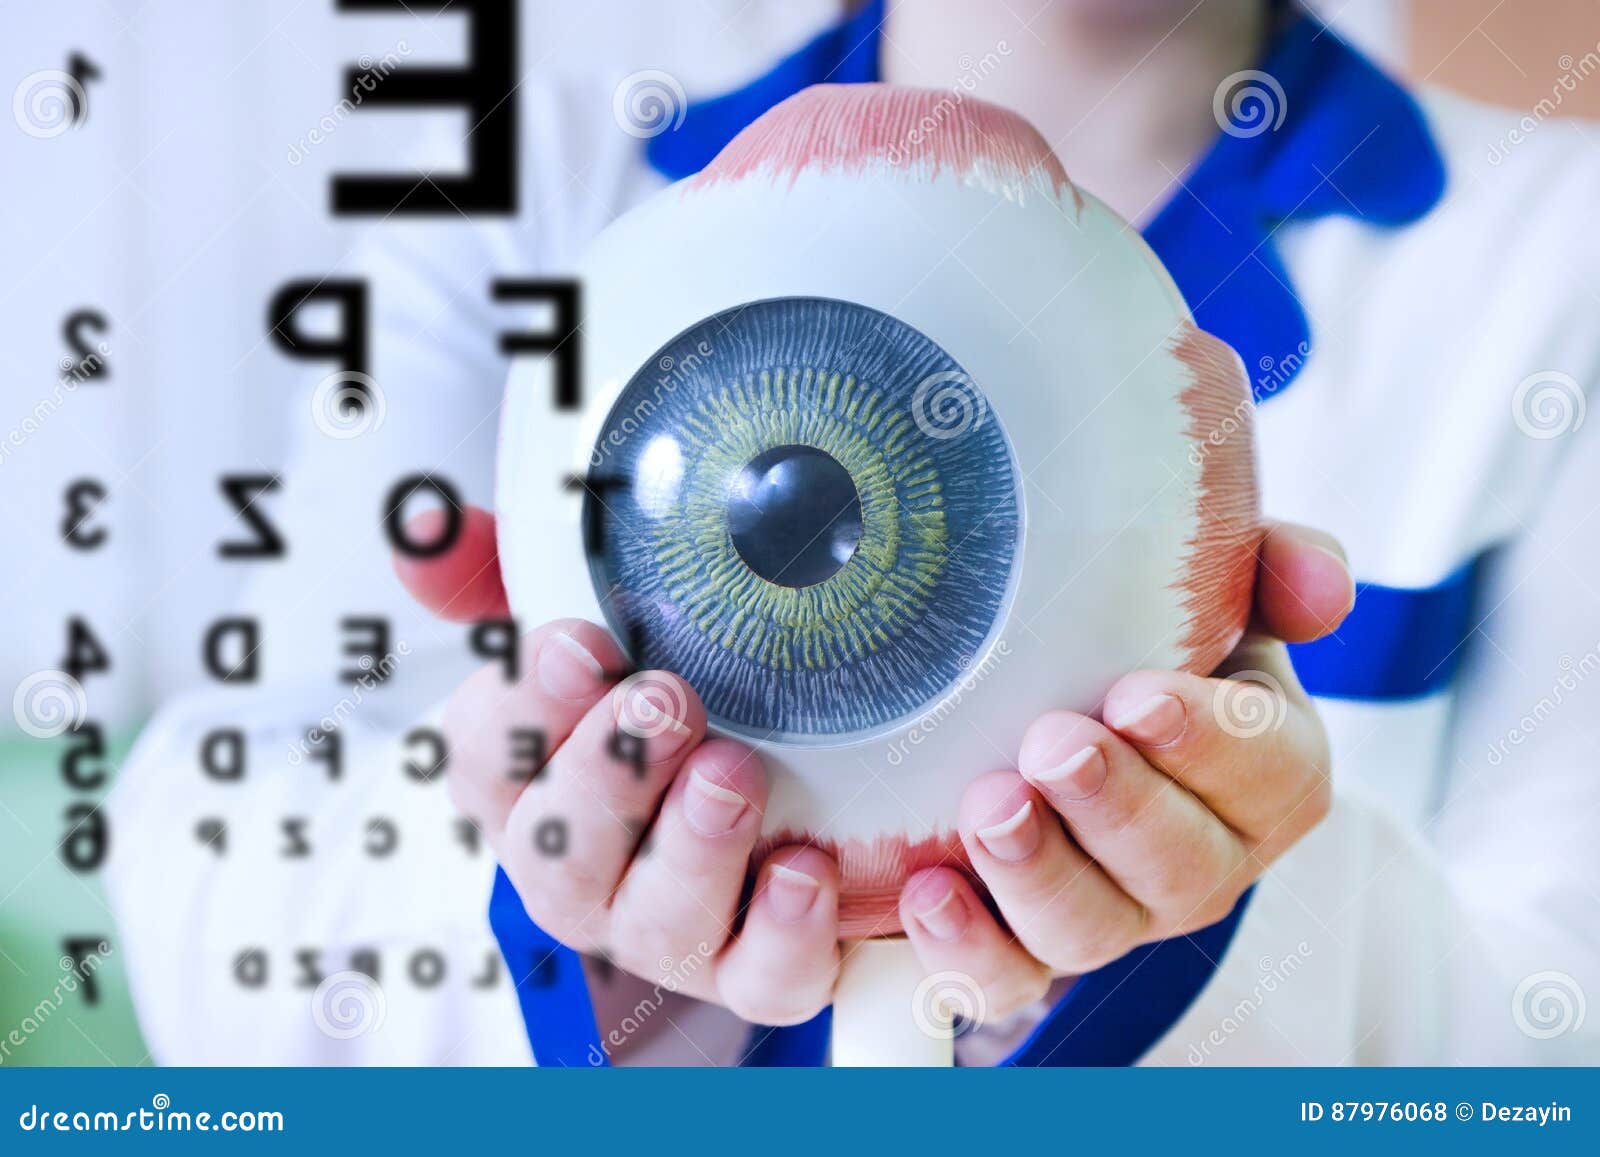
[{"x": 806, "y": 509}]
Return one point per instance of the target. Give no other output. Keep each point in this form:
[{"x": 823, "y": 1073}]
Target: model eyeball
[{"x": 894, "y": 441}]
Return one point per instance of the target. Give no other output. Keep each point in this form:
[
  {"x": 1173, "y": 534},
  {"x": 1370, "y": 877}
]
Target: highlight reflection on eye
[{"x": 796, "y": 535}]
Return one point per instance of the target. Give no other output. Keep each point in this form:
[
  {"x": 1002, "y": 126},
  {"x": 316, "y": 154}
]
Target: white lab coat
[{"x": 1447, "y": 912}]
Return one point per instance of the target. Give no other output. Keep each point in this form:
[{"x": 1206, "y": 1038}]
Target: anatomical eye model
[{"x": 896, "y": 440}]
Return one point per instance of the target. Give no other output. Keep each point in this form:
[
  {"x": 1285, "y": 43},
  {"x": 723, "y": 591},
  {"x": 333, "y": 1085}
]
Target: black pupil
[{"x": 794, "y": 515}]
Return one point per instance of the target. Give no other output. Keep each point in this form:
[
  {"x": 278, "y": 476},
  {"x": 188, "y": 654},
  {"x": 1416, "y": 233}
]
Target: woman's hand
[
  {"x": 1153, "y": 823},
  {"x": 568, "y": 839},
  {"x": 1111, "y": 836}
]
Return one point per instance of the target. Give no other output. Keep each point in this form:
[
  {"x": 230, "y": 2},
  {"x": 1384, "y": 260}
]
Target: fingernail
[
  {"x": 1078, "y": 778},
  {"x": 1344, "y": 565},
  {"x": 710, "y": 808},
  {"x": 1012, "y": 839},
  {"x": 651, "y": 719},
  {"x": 790, "y": 893},
  {"x": 1155, "y": 723},
  {"x": 566, "y": 668},
  {"x": 946, "y": 918},
  {"x": 1336, "y": 549}
]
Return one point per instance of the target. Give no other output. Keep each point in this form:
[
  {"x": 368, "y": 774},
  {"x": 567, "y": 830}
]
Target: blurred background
[{"x": 150, "y": 236}]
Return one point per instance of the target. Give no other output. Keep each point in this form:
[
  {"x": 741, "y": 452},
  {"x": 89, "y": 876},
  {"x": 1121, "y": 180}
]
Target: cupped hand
[
  {"x": 1150, "y": 821},
  {"x": 635, "y": 847}
]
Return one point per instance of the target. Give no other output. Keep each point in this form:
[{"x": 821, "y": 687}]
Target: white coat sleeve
[
  {"x": 291, "y": 918},
  {"x": 1476, "y": 940}
]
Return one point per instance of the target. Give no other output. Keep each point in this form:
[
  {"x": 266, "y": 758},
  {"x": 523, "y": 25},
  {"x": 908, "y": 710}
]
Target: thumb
[{"x": 1303, "y": 584}]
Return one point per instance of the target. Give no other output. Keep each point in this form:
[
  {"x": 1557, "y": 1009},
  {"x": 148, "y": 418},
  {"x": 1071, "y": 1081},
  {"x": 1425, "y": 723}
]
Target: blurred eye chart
[{"x": 266, "y": 267}]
